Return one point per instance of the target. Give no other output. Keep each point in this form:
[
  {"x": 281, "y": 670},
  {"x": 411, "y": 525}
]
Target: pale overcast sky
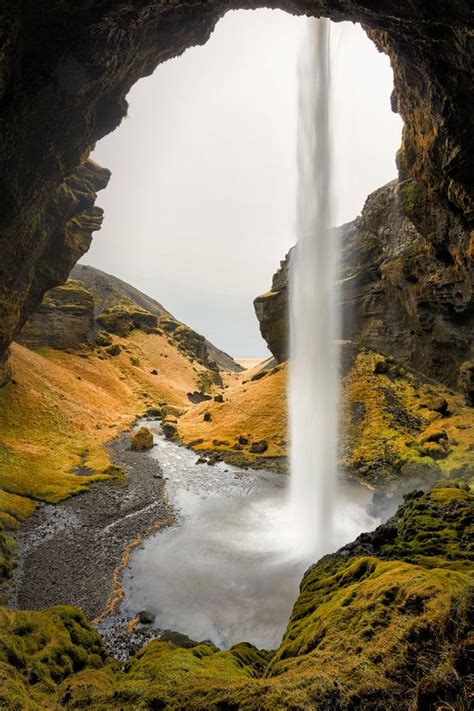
[{"x": 200, "y": 207}]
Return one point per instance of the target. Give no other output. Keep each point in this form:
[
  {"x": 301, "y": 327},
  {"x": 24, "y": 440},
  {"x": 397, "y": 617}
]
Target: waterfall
[{"x": 313, "y": 378}]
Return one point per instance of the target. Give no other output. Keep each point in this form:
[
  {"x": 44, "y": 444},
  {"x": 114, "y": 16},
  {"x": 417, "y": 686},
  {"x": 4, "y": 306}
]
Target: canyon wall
[
  {"x": 65, "y": 70},
  {"x": 406, "y": 284}
]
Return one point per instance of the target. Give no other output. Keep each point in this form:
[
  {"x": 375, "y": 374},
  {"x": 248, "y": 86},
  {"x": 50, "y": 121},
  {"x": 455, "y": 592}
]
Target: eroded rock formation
[
  {"x": 63, "y": 320},
  {"x": 407, "y": 284},
  {"x": 58, "y": 235},
  {"x": 65, "y": 70}
]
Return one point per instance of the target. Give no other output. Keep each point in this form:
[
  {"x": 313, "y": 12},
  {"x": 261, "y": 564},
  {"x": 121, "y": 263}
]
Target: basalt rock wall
[
  {"x": 406, "y": 285},
  {"x": 65, "y": 70},
  {"x": 58, "y": 236}
]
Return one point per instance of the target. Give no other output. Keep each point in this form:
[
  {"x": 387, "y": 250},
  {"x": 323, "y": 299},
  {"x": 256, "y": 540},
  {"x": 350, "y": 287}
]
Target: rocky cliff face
[
  {"x": 60, "y": 234},
  {"x": 406, "y": 287},
  {"x": 65, "y": 70}
]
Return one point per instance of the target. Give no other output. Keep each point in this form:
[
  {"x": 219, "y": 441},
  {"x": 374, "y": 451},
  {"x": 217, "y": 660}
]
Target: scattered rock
[
  {"x": 172, "y": 411},
  {"x": 218, "y": 398},
  {"x": 154, "y": 412},
  {"x": 207, "y": 417},
  {"x": 381, "y": 367},
  {"x": 154, "y": 371},
  {"x": 114, "y": 350},
  {"x": 197, "y": 396},
  {"x": 146, "y": 617},
  {"x": 435, "y": 437},
  {"x": 258, "y": 447},
  {"x": 103, "y": 339},
  {"x": 169, "y": 427},
  {"x": 438, "y": 404},
  {"x": 220, "y": 443},
  {"x": 142, "y": 440},
  {"x": 135, "y": 361},
  {"x": 434, "y": 450},
  {"x": 195, "y": 442},
  {"x": 243, "y": 439}
]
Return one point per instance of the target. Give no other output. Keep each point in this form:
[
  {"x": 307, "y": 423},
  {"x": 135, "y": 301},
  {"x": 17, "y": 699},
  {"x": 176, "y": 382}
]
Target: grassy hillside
[{"x": 62, "y": 408}]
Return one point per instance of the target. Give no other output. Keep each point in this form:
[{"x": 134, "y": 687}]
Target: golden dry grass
[
  {"x": 62, "y": 408},
  {"x": 256, "y": 409}
]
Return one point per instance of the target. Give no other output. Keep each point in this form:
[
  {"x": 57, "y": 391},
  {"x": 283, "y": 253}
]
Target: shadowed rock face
[
  {"x": 58, "y": 237},
  {"x": 407, "y": 284},
  {"x": 65, "y": 69}
]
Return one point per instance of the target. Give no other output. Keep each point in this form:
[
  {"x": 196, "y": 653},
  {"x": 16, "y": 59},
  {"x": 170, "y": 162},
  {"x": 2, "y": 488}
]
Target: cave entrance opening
[
  {"x": 200, "y": 207},
  {"x": 199, "y": 211}
]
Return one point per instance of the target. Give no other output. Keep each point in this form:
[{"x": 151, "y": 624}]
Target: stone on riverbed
[
  {"x": 146, "y": 617},
  {"x": 142, "y": 440}
]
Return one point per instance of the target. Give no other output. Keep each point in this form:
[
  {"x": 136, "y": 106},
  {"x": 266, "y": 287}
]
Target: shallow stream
[{"x": 227, "y": 570}]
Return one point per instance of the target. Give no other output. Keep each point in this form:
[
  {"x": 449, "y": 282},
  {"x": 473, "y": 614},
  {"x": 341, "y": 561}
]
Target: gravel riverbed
[{"x": 68, "y": 552}]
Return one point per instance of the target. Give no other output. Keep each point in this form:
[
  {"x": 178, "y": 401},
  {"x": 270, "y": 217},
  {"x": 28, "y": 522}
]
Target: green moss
[
  {"x": 122, "y": 318},
  {"x": 388, "y": 420},
  {"x": 410, "y": 194},
  {"x": 384, "y": 630},
  {"x": 38, "y": 650}
]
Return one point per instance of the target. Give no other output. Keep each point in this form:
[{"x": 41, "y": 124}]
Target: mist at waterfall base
[{"x": 230, "y": 570}]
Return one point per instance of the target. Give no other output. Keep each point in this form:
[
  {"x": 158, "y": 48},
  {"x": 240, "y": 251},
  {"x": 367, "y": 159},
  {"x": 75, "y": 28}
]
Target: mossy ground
[
  {"x": 385, "y": 420},
  {"x": 388, "y": 417},
  {"x": 386, "y": 630}
]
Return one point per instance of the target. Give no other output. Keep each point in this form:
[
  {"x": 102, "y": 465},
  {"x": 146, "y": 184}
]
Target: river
[{"x": 227, "y": 570}]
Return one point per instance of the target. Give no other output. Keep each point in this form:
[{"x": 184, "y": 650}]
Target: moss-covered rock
[
  {"x": 123, "y": 318},
  {"x": 39, "y": 650},
  {"x": 142, "y": 440},
  {"x": 103, "y": 339},
  {"x": 400, "y": 427}
]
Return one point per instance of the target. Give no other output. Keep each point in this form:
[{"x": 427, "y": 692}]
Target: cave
[
  {"x": 65, "y": 72},
  {"x": 102, "y": 374}
]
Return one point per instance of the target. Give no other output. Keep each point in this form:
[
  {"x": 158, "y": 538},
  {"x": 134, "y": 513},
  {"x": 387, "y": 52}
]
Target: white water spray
[{"x": 314, "y": 322}]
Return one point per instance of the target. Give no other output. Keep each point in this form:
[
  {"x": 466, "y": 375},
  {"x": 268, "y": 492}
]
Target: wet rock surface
[{"x": 68, "y": 552}]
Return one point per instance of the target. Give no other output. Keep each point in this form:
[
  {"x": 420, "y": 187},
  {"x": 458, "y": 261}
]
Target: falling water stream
[
  {"x": 314, "y": 321},
  {"x": 229, "y": 569}
]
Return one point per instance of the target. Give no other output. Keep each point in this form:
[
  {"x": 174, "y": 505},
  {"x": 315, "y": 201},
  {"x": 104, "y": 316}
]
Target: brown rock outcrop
[
  {"x": 407, "y": 284},
  {"x": 66, "y": 68},
  {"x": 63, "y": 320}
]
